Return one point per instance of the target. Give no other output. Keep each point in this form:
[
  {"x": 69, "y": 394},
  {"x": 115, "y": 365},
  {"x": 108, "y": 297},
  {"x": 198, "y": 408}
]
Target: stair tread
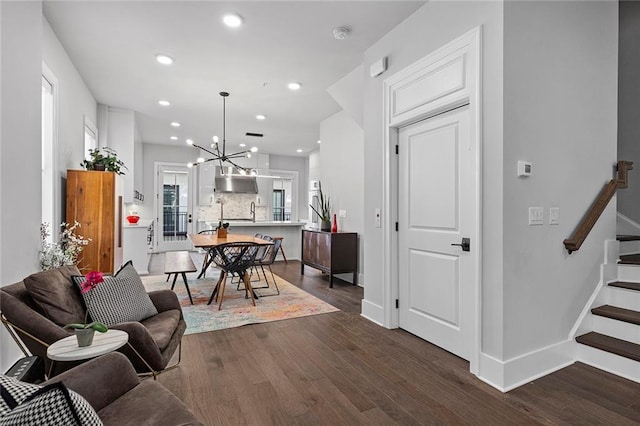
[
  {"x": 630, "y": 259},
  {"x": 627, "y": 237},
  {"x": 627, "y": 285},
  {"x": 620, "y": 314},
  {"x": 611, "y": 344}
]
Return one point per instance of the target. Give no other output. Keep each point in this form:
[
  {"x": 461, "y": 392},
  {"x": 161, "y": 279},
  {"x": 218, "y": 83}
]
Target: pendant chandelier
[{"x": 220, "y": 155}]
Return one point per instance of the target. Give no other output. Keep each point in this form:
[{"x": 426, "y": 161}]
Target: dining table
[{"x": 208, "y": 241}]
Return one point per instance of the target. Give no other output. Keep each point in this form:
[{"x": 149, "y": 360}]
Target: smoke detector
[{"x": 340, "y": 33}]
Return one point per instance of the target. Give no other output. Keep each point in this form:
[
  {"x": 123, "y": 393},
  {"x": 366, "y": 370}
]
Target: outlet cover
[
  {"x": 536, "y": 216},
  {"x": 342, "y": 213},
  {"x": 554, "y": 216}
]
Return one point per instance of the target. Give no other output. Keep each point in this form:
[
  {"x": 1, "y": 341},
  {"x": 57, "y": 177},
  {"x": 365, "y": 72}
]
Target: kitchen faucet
[{"x": 253, "y": 211}]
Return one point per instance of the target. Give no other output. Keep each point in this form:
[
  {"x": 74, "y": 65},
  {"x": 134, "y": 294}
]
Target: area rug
[{"x": 236, "y": 310}]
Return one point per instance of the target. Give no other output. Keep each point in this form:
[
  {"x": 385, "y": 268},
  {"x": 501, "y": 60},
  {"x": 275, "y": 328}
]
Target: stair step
[
  {"x": 628, "y": 237},
  {"x": 620, "y": 314},
  {"x": 627, "y": 285},
  {"x": 610, "y": 344},
  {"x": 630, "y": 259}
]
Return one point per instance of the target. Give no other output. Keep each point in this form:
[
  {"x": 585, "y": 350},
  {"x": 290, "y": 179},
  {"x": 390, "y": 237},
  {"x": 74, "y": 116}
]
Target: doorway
[{"x": 174, "y": 217}]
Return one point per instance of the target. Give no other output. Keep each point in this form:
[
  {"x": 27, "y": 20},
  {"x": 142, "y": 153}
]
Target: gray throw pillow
[
  {"x": 56, "y": 296},
  {"x": 120, "y": 298}
]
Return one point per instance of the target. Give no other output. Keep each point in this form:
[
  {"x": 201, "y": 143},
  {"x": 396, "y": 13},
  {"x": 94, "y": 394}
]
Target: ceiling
[{"x": 113, "y": 46}]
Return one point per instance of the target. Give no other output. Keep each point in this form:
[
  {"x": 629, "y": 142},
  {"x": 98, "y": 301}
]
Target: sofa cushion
[
  {"x": 118, "y": 299},
  {"x": 162, "y": 326},
  {"x": 149, "y": 403},
  {"x": 55, "y": 295},
  {"x": 49, "y": 405}
]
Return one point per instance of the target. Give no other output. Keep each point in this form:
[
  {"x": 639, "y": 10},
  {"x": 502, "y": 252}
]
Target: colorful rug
[{"x": 236, "y": 310}]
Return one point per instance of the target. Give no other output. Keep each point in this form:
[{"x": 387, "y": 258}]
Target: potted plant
[
  {"x": 222, "y": 229},
  {"x": 324, "y": 212},
  {"x": 104, "y": 159},
  {"x": 84, "y": 332}
]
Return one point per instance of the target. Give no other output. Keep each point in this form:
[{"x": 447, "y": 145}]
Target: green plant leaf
[{"x": 98, "y": 326}]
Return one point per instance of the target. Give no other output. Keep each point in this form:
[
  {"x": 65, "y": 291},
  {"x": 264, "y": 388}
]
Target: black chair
[
  {"x": 206, "y": 254},
  {"x": 233, "y": 258},
  {"x": 267, "y": 260}
]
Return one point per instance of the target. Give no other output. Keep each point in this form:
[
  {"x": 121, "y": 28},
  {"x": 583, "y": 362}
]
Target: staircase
[{"x": 613, "y": 344}]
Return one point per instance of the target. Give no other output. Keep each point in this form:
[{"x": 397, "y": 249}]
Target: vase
[
  {"x": 334, "y": 227},
  {"x": 84, "y": 336},
  {"x": 325, "y": 225}
]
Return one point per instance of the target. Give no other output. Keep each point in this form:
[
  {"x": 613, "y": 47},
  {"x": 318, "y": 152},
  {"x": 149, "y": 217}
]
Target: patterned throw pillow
[
  {"x": 28, "y": 404},
  {"x": 118, "y": 299}
]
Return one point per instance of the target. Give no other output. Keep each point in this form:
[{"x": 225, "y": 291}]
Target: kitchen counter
[
  {"x": 291, "y": 233},
  {"x": 135, "y": 246}
]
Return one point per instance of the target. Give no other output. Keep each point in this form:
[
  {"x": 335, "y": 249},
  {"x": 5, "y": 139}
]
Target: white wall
[
  {"x": 75, "y": 102},
  {"x": 560, "y": 113},
  {"x": 429, "y": 28},
  {"x": 342, "y": 175},
  {"x": 629, "y": 105},
  {"x": 20, "y": 148}
]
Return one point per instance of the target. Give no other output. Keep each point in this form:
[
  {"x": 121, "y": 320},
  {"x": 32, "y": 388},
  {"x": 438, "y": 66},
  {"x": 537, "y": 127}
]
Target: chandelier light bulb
[
  {"x": 261, "y": 117},
  {"x": 189, "y": 165},
  {"x": 200, "y": 160},
  {"x": 254, "y": 149},
  {"x": 248, "y": 155},
  {"x": 215, "y": 139},
  {"x": 189, "y": 142},
  {"x": 294, "y": 86},
  {"x": 232, "y": 20},
  {"x": 242, "y": 171},
  {"x": 254, "y": 172},
  {"x": 164, "y": 59}
]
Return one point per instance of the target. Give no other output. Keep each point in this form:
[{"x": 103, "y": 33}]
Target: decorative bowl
[{"x": 133, "y": 219}]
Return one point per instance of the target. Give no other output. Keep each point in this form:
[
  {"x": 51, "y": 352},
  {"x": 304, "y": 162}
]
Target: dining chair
[
  {"x": 267, "y": 260},
  {"x": 233, "y": 258},
  {"x": 207, "y": 252}
]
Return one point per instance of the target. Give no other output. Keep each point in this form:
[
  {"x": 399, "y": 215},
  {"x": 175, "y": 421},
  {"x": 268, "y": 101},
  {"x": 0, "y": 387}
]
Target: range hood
[{"x": 232, "y": 182}]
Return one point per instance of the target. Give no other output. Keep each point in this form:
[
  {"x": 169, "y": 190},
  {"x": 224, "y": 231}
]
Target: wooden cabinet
[
  {"x": 94, "y": 201},
  {"x": 331, "y": 252}
]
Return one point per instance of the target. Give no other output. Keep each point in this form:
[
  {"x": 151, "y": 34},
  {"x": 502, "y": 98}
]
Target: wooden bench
[{"x": 179, "y": 262}]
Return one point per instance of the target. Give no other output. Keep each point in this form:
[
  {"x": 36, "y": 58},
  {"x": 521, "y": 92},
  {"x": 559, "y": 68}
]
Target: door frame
[
  {"x": 157, "y": 165},
  {"x": 443, "y": 80}
]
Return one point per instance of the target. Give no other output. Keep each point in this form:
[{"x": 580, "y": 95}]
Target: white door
[
  {"x": 437, "y": 209},
  {"x": 174, "y": 217}
]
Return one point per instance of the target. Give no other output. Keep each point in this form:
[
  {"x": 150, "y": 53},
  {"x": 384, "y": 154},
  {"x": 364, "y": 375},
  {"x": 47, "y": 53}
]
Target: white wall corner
[
  {"x": 373, "y": 312},
  {"x": 518, "y": 371},
  {"x": 626, "y": 225}
]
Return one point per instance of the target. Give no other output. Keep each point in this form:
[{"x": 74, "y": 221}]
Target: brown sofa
[
  {"x": 155, "y": 339},
  {"x": 110, "y": 385}
]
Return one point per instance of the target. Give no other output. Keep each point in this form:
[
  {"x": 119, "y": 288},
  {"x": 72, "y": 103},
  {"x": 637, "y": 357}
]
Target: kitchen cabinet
[
  {"x": 137, "y": 247},
  {"x": 330, "y": 252},
  {"x": 94, "y": 199}
]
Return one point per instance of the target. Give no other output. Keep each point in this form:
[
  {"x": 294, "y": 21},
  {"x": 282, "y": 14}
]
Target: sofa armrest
[
  {"x": 101, "y": 380},
  {"x": 140, "y": 339},
  {"x": 165, "y": 300}
]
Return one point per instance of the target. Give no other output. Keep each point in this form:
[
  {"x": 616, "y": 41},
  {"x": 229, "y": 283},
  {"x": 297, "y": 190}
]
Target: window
[{"x": 48, "y": 177}]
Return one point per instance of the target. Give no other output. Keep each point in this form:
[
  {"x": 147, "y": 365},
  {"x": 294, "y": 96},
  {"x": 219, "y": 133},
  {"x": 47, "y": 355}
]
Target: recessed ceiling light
[
  {"x": 298, "y": 150},
  {"x": 261, "y": 117},
  {"x": 175, "y": 124},
  {"x": 174, "y": 138},
  {"x": 164, "y": 59},
  {"x": 232, "y": 20},
  {"x": 242, "y": 145},
  {"x": 294, "y": 86},
  {"x": 164, "y": 103}
]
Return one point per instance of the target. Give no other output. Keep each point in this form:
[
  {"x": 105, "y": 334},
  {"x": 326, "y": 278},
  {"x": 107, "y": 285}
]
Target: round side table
[{"x": 67, "y": 349}]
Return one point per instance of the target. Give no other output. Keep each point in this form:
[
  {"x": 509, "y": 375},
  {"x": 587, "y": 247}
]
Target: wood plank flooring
[{"x": 340, "y": 368}]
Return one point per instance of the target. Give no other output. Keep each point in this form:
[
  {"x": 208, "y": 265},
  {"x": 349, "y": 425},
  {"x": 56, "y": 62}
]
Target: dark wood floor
[{"x": 340, "y": 368}]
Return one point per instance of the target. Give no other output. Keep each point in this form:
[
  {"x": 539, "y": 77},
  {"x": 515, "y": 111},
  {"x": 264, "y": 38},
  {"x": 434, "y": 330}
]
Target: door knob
[{"x": 466, "y": 244}]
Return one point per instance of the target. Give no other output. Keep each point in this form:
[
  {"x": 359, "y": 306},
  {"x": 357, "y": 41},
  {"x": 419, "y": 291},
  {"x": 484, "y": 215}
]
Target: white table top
[{"x": 67, "y": 349}]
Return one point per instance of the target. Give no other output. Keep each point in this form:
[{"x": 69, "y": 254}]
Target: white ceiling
[{"x": 113, "y": 46}]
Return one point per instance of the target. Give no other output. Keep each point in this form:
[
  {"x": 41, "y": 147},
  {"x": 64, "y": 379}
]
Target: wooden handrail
[{"x": 593, "y": 214}]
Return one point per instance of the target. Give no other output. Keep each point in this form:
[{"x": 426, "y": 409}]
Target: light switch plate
[
  {"x": 342, "y": 213},
  {"x": 554, "y": 216},
  {"x": 378, "y": 220},
  {"x": 536, "y": 215}
]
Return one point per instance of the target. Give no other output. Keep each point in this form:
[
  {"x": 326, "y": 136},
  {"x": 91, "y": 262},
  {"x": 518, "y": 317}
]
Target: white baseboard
[
  {"x": 608, "y": 362},
  {"x": 508, "y": 375},
  {"x": 372, "y": 312}
]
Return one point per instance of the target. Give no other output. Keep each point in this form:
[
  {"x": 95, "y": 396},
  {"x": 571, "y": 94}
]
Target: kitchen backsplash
[{"x": 236, "y": 206}]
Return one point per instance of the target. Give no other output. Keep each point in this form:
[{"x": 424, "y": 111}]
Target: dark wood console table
[{"x": 331, "y": 252}]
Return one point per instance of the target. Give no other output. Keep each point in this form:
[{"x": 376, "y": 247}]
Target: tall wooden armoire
[{"x": 94, "y": 201}]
